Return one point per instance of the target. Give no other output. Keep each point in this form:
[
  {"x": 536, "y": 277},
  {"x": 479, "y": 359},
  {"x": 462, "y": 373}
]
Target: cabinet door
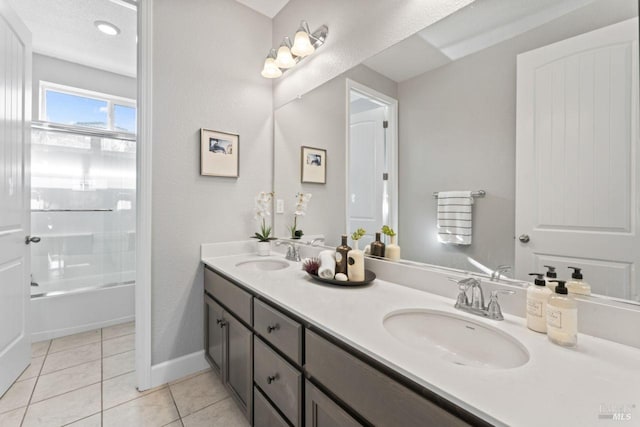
[
  {"x": 321, "y": 411},
  {"x": 238, "y": 370},
  {"x": 214, "y": 337}
]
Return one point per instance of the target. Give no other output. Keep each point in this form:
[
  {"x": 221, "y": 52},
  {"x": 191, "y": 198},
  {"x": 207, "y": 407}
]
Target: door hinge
[{"x": 385, "y": 124}]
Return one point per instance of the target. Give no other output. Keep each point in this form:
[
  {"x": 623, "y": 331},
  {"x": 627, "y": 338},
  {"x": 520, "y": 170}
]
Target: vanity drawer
[
  {"x": 379, "y": 399},
  {"x": 281, "y": 331},
  {"x": 230, "y": 295},
  {"x": 263, "y": 413},
  {"x": 279, "y": 380}
]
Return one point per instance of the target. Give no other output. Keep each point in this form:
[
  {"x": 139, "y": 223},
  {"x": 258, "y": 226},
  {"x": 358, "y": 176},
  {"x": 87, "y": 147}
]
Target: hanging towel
[
  {"x": 455, "y": 224},
  {"x": 327, "y": 269}
]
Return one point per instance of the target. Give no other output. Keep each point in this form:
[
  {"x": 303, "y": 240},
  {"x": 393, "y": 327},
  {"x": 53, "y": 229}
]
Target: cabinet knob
[
  {"x": 524, "y": 238},
  {"x": 221, "y": 323},
  {"x": 272, "y": 378},
  {"x": 271, "y": 328},
  {"x": 31, "y": 239}
]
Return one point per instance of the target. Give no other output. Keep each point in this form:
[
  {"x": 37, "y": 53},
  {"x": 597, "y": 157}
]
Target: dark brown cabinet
[{"x": 321, "y": 411}]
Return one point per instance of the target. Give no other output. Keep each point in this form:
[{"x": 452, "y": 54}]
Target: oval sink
[
  {"x": 457, "y": 339},
  {"x": 263, "y": 264}
]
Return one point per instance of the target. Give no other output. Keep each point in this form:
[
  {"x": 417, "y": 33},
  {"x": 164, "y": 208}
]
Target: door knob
[
  {"x": 524, "y": 238},
  {"x": 31, "y": 239}
]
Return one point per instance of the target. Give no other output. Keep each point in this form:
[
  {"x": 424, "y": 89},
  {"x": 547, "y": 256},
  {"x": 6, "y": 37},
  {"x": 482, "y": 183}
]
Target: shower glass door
[{"x": 82, "y": 207}]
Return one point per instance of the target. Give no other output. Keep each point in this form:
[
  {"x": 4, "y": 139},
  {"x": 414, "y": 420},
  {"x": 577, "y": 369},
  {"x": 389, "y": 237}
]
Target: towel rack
[{"x": 479, "y": 193}]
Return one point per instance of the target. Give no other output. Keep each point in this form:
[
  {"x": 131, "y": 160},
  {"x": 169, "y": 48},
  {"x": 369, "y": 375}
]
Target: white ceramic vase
[
  {"x": 264, "y": 248},
  {"x": 392, "y": 251}
]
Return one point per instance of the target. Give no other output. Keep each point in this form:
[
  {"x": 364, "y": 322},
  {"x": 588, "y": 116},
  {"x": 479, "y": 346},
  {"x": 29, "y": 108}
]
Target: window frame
[{"x": 111, "y": 100}]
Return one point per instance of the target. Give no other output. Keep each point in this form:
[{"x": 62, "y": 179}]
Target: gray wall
[
  {"x": 67, "y": 73},
  {"x": 457, "y": 132},
  {"x": 206, "y": 74},
  {"x": 318, "y": 120}
]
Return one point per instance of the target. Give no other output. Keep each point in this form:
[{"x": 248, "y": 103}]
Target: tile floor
[{"x": 88, "y": 379}]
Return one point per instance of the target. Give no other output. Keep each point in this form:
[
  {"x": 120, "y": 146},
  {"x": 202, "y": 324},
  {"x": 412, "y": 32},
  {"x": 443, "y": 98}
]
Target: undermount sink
[
  {"x": 263, "y": 264},
  {"x": 457, "y": 339}
]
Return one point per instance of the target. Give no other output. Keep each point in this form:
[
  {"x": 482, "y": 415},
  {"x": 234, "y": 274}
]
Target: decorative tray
[{"x": 369, "y": 276}]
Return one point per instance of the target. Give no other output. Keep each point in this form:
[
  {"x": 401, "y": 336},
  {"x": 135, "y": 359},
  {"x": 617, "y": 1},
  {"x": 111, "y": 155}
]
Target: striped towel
[{"x": 455, "y": 224}]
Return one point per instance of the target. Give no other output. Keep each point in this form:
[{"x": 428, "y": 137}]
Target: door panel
[
  {"x": 576, "y": 158},
  {"x": 15, "y": 95},
  {"x": 215, "y": 335},
  {"x": 238, "y": 375}
]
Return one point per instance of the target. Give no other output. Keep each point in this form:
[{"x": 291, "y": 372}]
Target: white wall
[
  {"x": 457, "y": 132},
  {"x": 358, "y": 29},
  {"x": 206, "y": 74},
  {"x": 318, "y": 120},
  {"x": 67, "y": 73}
]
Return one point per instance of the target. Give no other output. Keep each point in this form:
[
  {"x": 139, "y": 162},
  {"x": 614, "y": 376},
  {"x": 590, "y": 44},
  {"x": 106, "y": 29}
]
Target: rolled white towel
[{"x": 327, "y": 264}]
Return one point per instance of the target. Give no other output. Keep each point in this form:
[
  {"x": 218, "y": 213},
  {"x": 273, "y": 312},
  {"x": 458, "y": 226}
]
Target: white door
[
  {"x": 366, "y": 168},
  {"x": 15, "y": 104},
  {"x": 577, "y": 157}
]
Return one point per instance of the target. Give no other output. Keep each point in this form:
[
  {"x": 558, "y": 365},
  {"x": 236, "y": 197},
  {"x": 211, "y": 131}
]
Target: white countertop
[{"x": 557, "y": 386}]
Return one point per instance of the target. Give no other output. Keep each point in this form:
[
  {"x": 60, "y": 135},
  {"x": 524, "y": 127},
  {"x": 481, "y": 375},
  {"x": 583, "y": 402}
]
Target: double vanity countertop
[{"x": 557, "y": 386}]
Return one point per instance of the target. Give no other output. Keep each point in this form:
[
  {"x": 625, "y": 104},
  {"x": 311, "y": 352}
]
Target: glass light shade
[
  {"x": 302, "y": 45},
  {"x": 284, "y": 58},
  {"x": 271, "y": 70}
]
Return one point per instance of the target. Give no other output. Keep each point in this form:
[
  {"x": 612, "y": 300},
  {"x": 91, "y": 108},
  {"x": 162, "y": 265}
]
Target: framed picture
[
  {"x": 219, "y": 153},
  {"x": 314, "y": 165}
]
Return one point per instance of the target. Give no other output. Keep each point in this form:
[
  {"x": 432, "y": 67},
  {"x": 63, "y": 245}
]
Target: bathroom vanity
[{"x": 299, "y": 353}]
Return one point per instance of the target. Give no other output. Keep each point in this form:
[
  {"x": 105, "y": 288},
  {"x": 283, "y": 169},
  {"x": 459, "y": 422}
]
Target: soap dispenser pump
[
  {"x": 562, "y": 317},
  {"x": 537, "y": 296},
  {"x": 576, "y": 285},
  {"x": 549, "y": 276}
]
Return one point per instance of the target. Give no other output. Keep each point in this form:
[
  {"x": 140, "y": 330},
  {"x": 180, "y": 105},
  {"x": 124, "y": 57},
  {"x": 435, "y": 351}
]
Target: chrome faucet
[
  {"x": 495, "y": 275},
  {"x": 293, "y": 253},
  {"x": 475, "y": 304}
]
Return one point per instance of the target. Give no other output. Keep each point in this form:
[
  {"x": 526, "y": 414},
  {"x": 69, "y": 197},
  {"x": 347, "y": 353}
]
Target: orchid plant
[
  {"x": 262, "y": 211},
  {"x": 302, "y": 199}
]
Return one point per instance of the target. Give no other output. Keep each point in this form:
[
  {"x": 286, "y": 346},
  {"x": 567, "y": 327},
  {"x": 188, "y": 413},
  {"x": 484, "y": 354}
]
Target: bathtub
[{"x": 78, "y": 309}]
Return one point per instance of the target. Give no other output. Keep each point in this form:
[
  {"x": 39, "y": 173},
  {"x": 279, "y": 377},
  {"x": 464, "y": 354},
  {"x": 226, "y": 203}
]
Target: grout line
[
  {"x": 80, "y": 419},
  {"x": 136, "y": 398},
  {"x": 176, "y": 406},
  {"x": 46, "y": 353},
  {"x": 119, "y": 336},
  {"x": 190, "y": 377},
  {"x": 62, "y": 394},
  {"x": 210, "y": 405},
  {"x": 66, "y": 367}
]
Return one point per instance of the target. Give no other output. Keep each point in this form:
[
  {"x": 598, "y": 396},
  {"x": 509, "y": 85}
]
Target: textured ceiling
[
  {"x": 64, "y": 29},
  {"x": 269, "y": 8}
]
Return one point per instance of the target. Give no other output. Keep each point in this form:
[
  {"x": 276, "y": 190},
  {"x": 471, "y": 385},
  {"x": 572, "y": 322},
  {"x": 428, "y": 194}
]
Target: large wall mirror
[{"x": 535, "y": 103}]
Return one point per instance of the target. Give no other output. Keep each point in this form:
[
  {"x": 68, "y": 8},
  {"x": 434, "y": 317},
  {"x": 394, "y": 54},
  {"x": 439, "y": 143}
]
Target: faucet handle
[{"x": 493, "y": 309}]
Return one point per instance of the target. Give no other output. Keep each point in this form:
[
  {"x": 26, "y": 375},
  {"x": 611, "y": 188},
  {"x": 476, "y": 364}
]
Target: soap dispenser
[
  {"x": 377, "y": 247},
  {"x": 562, "y": 317},
  {"x": 551, "y": 275},
  {"x": 537, "y": 296},
  {"x": 341, "y": 256},
  {"x": 576, "y": 285}
]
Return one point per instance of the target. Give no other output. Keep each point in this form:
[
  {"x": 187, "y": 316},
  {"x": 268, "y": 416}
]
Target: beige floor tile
[
  {"x": 75, "y": 340},
  {"x": 65, "y": 408},
  {"x": 154, "y": 409},
  {"x": 118, "y": 330},
  {"x": 33, "y": 370},
  {"x": 71, "y": 357},
  {"x": 222, "y": 414},
  {"x": 92, "y": 421},
  {"x": 65, "y": 380},
  {"x": 198, "y": 392},
  {"x": 121, "y": 389},
  {"x": 188, "y": 377},
  {"x": 12, "y": 418},
  {"x": 17, "y": 396},
  {"x": 118, "y": 345},
  {"x": 119, "y": 364},
  {"x": 39, "y": 348},
  {"x": 176, "y": 423}
]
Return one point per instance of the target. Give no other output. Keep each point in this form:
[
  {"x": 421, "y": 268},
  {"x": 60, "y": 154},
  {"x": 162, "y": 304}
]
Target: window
[{"x": 78, "y": 107}]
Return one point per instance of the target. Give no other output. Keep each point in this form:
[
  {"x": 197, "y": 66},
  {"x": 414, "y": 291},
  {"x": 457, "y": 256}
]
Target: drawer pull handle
[
  {"x": 272, "y": 378},
  {"x": 272, "y": 328}
]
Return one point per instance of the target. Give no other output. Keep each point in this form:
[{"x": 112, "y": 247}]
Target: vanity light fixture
[
  {"x": 107, "y": 28},
  {"x": 271, "y": 70},
  {"x": 288, "y": 55}
]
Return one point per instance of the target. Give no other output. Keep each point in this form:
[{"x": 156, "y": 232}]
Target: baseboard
[
  {"x": 177, "y": 368},
  {"x": 63, "y": 332}
]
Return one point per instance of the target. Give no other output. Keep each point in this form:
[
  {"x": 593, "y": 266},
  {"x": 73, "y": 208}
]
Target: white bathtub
[{"x": 64, "y": 313}]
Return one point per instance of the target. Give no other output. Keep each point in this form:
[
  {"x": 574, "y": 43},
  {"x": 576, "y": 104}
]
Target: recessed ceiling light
[{"x": 107, "y": 28}]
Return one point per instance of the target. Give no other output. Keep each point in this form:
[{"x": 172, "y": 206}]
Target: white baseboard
[
  {"x": 177, "y": 368},
  {"x": 57, "y": 333}
]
